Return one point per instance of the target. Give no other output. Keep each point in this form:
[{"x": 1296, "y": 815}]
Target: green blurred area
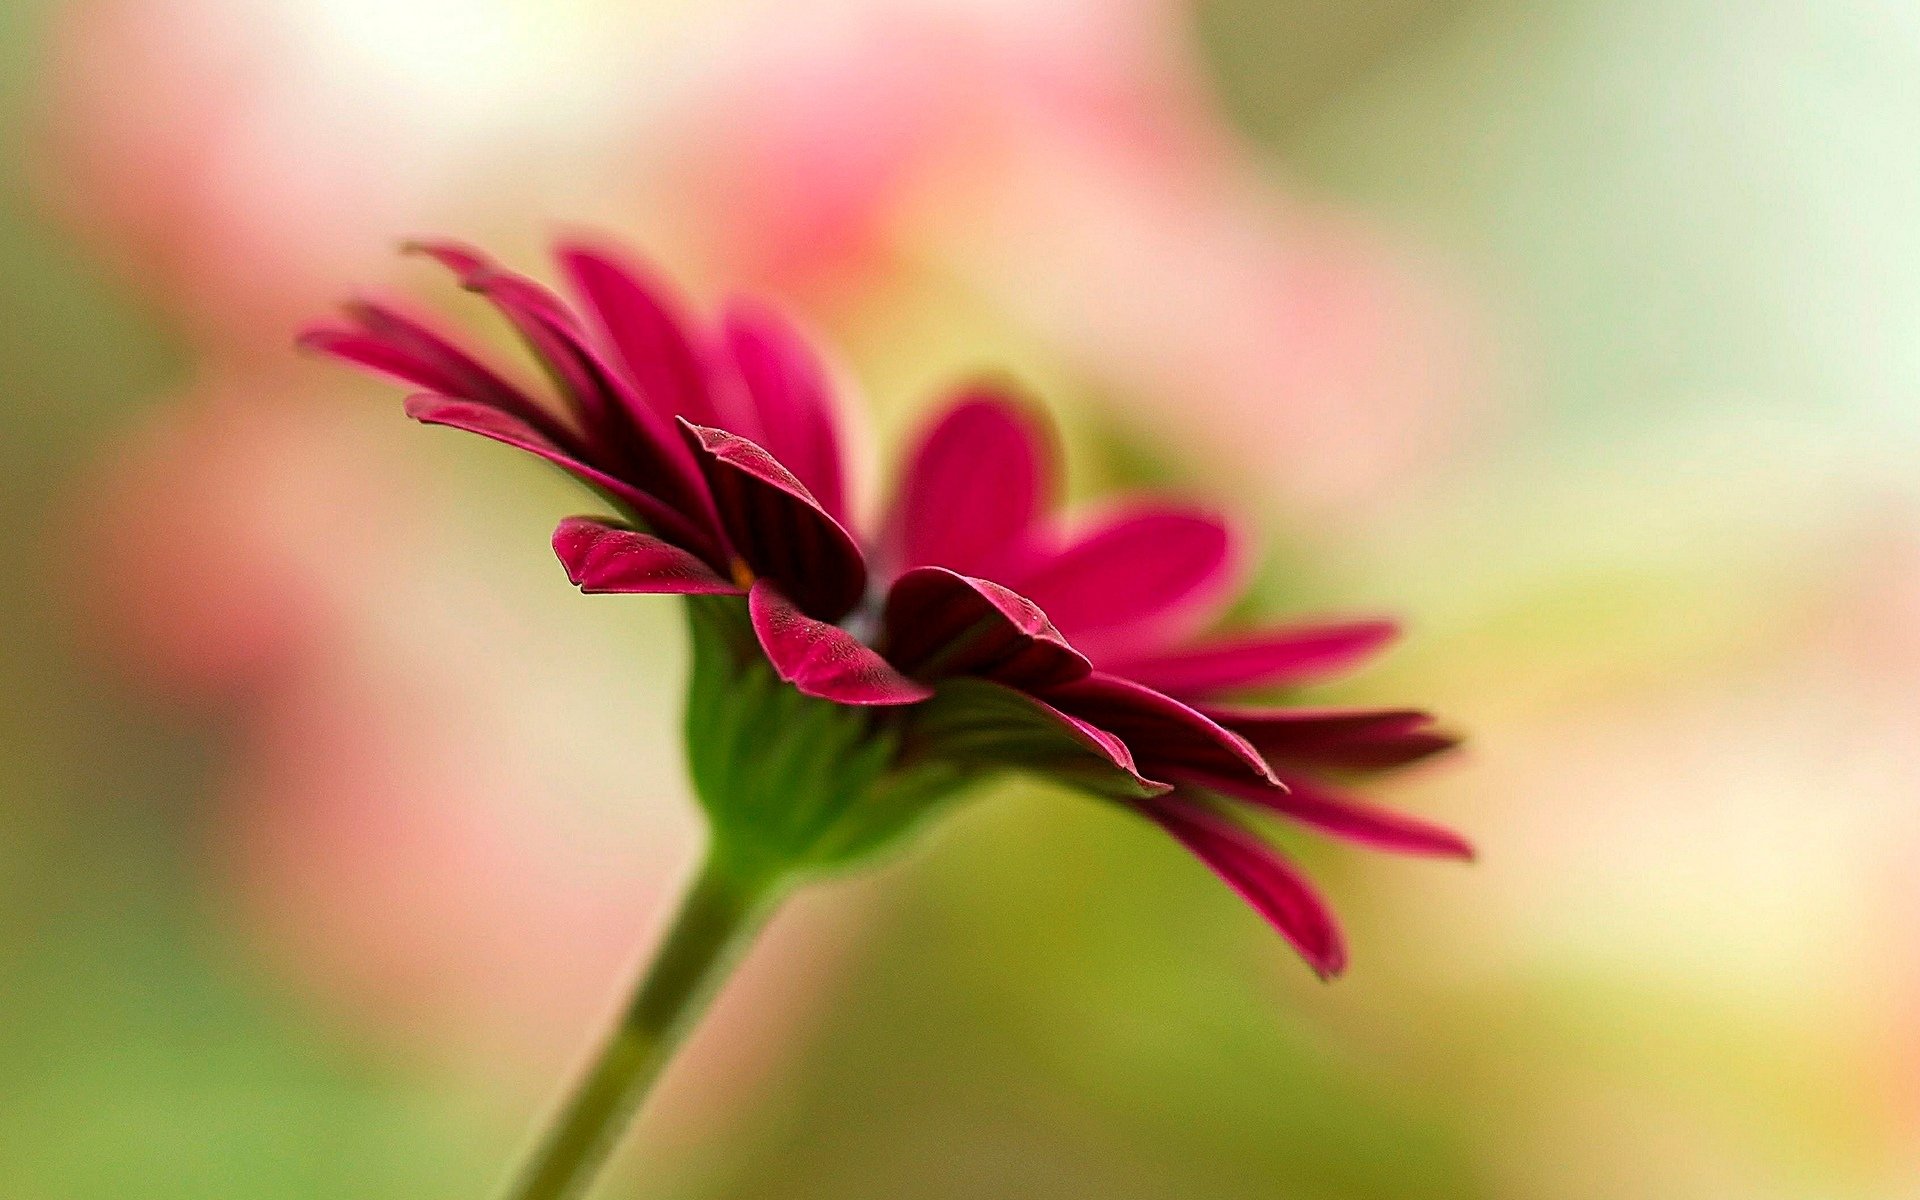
[{"x": 1692, "y": 229}]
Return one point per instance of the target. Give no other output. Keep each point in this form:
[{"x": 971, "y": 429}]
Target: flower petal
[
  {"x": 1315, "y": 803},
  {"x": 490, "y": 422},
  {"x": 941, "y": 623},
  {"x": 979, "y": 478},
  {"x": 1272, "y": 658},
  {"x": 1135, "y": 581},
  {"x": 1359, "y": 739},
  {"x": 602, "y": 558},
  {"x": 776, "y": 525},
  {"x": 825, "y": 660},
  {"x": 645, "y": 333},
  {"x": 465, "y": 375},
  {"x": 983, "y": 723},
  {"x": 1167, "y": 737},
  {"x": 1260, "y": 875},
  {"x": 792, "y": 401},
  {"x": 394, "y": 356},
  {"x": 621, "y": 429}
]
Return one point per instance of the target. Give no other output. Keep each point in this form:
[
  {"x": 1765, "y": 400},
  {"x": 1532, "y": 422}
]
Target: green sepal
[{"x": 792, "y": 784}]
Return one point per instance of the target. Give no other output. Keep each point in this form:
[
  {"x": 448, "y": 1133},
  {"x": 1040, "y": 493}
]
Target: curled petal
[
  {"x": 791, "y": 400},
  {"x": 776, "y": 525},
  {"x": 942, "y": 623},
  {"x": 490, "y": 422},
  {"x": 1135, "y": 581},
  {"x": 604, "y": 558},
  {"x": 1167, "y": 737},
  {"x": 982, "y": 723},
  {"x": 644, "y": 332},
  {"x": 1314, "y": 803},
  {"x": 1357, "y": 739},
  {"x": 825, "y": 660},
  {"x": 975, "y": 484},
  {"x": 1260, "y": 875},
  {"x": 1274, "y": 658}
]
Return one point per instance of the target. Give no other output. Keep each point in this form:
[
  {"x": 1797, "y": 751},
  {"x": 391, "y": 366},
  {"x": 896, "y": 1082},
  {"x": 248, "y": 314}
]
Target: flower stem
[{"x": 718, "y": 917}]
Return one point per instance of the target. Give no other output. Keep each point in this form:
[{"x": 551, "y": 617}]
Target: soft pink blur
[{"x": 1064, "y": 162}]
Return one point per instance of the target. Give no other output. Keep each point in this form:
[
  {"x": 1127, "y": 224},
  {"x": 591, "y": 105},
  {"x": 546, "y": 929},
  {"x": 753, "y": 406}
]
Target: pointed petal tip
[
  {"x": 1277, "y": 656},
  {"x": 1462, "y": 851},
  {"x": 1331, "y": 968},
  {"x": 316, "y": 337},
  {"x": 1261, "y": 876},
  {"x": 471, "y": 266}
]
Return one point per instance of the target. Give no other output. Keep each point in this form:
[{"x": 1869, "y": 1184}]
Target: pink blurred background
[{"x": 1574, "y": 332}]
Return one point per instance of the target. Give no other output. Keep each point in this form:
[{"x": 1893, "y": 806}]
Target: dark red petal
[
  {"x": 1260, "y": 875},
  {"x": 1168, "y": 738},
  {"x": 645, "y": 332},
  {"x": 1315, "y": 803},
  {"x": 825, "y": 660},
  {"x": 776, "y": 525},
  {"x": 1135, "y": 581},
  {"x": 490, "y": 422},
  {"x": 624, "y": 432},
  {"x": 976, "y": 483},
  {"x": 600, "y": 557},
  {"x": 1353, "y": 739},
  {"x": 980, "y": 723},
  {"x": 940, "y": 623},
  {"x": 474, "y": 379},
  {"x": 403, "y": 348},
  {"x": 792, "y": 400},
  {"x": 1273, "y": 658},
  {"x": 463, "y": 260}
]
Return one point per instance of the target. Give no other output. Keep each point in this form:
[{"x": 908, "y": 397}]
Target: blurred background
[{"x": 1583, "y": 334}]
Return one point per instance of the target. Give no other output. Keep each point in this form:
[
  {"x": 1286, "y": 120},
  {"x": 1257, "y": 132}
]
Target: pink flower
[{"x": 983, "y": 633}]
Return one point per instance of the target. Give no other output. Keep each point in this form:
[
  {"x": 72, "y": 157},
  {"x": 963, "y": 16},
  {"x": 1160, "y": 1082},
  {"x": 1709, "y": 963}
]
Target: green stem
[{"x": 718, "y": 917}]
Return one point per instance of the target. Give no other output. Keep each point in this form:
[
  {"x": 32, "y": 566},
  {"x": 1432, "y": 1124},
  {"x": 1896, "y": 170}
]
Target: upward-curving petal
[
  {"x": 777, "y": 527},
  {"x": 490, "y": 422},
  {"x": 790, "y": 399},
  {"x": 1260, "y": 875},
  {"x": 644, "y": 333},
  {"x": 825, "y": 660},
  {"x": 976, "y": 483},
  {"x": 1282, "y": 657},
  {"x": 1170, "y": 740},
  {"x": 940, "y": 623},
  {"x": 1134, "y": 581},
  {"x": 604, "y": 558}
]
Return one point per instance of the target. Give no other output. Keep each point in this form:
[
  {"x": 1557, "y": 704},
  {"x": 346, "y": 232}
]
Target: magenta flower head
[{"x": 848, "y": 682}]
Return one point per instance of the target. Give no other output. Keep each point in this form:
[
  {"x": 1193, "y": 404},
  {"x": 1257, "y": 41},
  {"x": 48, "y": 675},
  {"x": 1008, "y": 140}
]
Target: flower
[{"x": 973, "y": 632}]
